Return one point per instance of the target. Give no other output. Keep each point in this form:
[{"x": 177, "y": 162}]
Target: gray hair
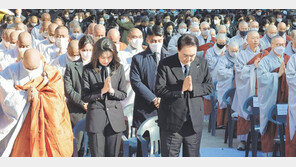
[
  {"x": 181, "y": 24},
  {"x": 204, "y": 23},
  {"x": 233, "y": 44},
  {"x": 221, "y": 27},
  {"x": 251, "y": 32},
  {"x": 293, "y": 34},
  {"x": 220, "y": 36},
  {"x": 276, "y": 37}
]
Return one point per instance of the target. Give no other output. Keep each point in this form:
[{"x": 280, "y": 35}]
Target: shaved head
[
  {"x": 253, "y": 39},
  {"x": 24, "y": 40},
  {"x": 222, "y": 29},
  {"x": 73, "y": 48},
  {"x": 17, "y": 20},
  {"x": 59, "y": 21},
  {"x": 277, "y": 39},
  {"x": 254, "y": 24},
  {"x": 204, "y": 24},
  {"x": 6, "y": 34},
  {"x": 51, "y": 29},
  {"x": 44, "y": 26},
  {"x": 271, "y": 29},
  {"x": 20, "y": 26},
  {"x": 243, "y": 26},
  {"x": 31, "y": 59},
  {"x": 45, "y": 17},
  {"x": 114, "y": 35},
  {"x": 62, "y": 32},
  {"x": 14, "y": 37},
  {"x": 34, "y": 19},
  {"x": 282, "y": 27},
  {"x": 90, "y": 28},
  {"x": 99, "y": 32}
]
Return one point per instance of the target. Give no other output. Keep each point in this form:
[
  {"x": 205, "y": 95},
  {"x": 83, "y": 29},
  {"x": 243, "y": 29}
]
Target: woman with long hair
[{"x": 103, "y": 87}]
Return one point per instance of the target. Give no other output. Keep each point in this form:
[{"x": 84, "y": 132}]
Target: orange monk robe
[
  {"x": 47, "y": 130},
  {"x": 122, "y": 46}
]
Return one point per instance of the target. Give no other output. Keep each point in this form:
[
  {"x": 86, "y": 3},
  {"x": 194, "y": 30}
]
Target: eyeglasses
[{"x": 280, "y": 44}]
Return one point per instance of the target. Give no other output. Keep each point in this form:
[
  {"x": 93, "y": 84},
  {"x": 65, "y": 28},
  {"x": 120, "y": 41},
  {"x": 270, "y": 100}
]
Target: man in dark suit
[
  {"x": 181, "y": 81},
  {"x": 143, "y": 75}
]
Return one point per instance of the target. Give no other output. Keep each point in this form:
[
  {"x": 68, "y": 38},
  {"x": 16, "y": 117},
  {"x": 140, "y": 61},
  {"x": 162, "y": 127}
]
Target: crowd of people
[{"x": 60, "y": 66}]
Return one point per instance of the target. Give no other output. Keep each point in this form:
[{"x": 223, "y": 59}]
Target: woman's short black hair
[
  {"x": 85, "y": 40},
  {"x": 187, "y": 40},
  {"x": 155, "y": 30}
]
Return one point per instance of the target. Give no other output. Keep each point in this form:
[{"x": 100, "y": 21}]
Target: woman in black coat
[
  {"x": 103, "y": 87},
  {"x": 72, "y": 80}
]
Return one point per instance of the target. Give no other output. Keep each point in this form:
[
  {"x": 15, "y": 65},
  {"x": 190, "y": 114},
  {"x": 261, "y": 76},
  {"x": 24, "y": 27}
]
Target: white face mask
[
  {"x": 206, "y": 33},
  {"x": 294, "y": 23},
  {"x": 12, "y": 46},
  {"x": 86, "y": 55},
  {"x": 51, "y": 39},
  {"x": 279, "y": 50},
  {"x": 80, "y": 20},
  {"x": 102, "y": 22},
  {"x": 215, "y": 22},
  {"x": 22, "y": 50},
  {"x": 271, "y": 35},
  {"x": 73, "y": 58},
  {"x": 77, "y": 35},
  {"x": 182, "y": 30},
  {"x": 33, "y": 24},
  {"x": 36, "y": 72},
  {"x": 233, "y": 54},
  {"x": 136, "y": 43},
  {"x": 196, "y": 33},
  {"x": 62, "y": 42},
  {"x": 5, "y": 43},
  {"x": 156, "y": 47},
  {"x": 254, "y": 29},
  {"x": 44, "y": 34},
  {"x": 279, "y": 20}
]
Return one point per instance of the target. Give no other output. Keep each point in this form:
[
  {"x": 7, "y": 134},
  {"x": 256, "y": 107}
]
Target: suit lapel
[
  {"x": 194, "y": 68},
  {"x": 79, "y": 70},
  {"x": 97, "y": 76},
  {"x": 177, "y": 69}
]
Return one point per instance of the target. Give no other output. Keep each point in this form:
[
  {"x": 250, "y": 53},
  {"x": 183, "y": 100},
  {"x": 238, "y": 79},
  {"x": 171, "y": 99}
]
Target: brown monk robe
[
  {"x": 47, "y": 130},
  {"x": 222, "y": 113},
  {"x": 243, "y": 126},
  {"x": 207, "y": 46},
  {"x": 290, "y": 147},
  {"x": 267, "y": 139}
]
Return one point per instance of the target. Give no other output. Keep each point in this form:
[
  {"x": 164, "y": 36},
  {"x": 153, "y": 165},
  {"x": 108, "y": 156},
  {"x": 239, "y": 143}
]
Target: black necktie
[
  {"x": 104, "y": 73},
  {"x": 186, "y": 72}
]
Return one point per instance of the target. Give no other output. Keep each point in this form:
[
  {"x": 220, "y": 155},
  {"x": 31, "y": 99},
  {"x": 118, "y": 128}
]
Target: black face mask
[
  {"x": 220, "y": 46},
  {"x": 281, "y": 33},
  {"x": 243, "y": 33}
]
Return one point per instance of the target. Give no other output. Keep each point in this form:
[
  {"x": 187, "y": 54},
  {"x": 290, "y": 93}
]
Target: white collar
[{"x": 183, "y": 65}]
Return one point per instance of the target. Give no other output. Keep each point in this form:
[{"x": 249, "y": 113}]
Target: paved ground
[{"x": 217, "y": 141}]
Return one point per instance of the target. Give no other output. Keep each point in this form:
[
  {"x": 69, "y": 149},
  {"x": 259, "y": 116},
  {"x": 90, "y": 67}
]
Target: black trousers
[
  {"x": 171, "y": 142},
  {"x": 105, "y": 143}
]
